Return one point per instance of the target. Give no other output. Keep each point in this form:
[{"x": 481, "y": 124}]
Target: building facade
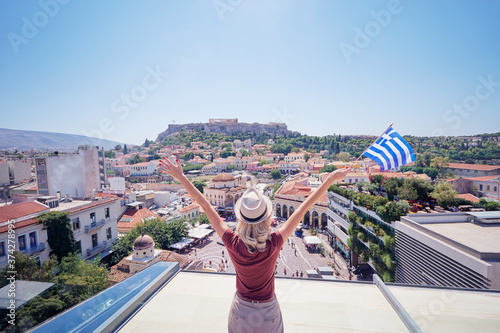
[
  {"x": 77, "y": 175},
  {"x": 26, "y": 235},
  {"x": 224, "y": 191},
  {"x": 452, "y": 250}
]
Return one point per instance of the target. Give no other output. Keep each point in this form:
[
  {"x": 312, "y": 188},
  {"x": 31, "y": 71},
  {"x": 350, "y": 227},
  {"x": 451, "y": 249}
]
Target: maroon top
[{"x": 254, "y": 271}]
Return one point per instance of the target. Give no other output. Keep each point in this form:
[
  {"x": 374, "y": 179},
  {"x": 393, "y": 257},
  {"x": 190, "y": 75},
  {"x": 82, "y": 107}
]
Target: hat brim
[{"x": 269, "y": 211}]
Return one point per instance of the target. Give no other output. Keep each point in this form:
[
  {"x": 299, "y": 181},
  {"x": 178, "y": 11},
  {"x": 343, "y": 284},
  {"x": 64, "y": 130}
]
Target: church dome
[
  {"x": 143, "y": 242},
  {"x": 223, "y": 177}
]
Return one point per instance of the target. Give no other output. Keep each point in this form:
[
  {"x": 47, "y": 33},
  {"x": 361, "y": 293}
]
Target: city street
[{"x": 293, "y": 259}]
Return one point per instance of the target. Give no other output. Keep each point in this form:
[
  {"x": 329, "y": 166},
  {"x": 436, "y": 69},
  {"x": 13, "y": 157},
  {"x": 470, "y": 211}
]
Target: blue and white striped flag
[{"x": 390, "y": 151}]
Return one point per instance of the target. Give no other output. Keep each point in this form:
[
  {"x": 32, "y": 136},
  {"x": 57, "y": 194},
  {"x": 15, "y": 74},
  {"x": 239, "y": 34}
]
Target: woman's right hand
[
  {"x": 172, "y": 169},
  {"x": 338, "y": 175}
]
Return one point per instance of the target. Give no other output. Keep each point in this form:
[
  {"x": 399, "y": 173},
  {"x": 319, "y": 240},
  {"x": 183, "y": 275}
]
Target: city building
[
  {"x": 142, "y": 169},
  {"x": 94, "y": 223},
  {"x": 459, "y": 250},
  {"x": 223, "y": 191},
  {"x": 134, "y": 215},
  {"x": 189, "y": 212},
  {"x": 14, "y": 172},
  {"x": 29, "y": 236},
  {"x": 472, "y": 170},
  {"x": 78, "y": 175},
  {"x": 144, "y": 254},
  {"x": 292, "y": 193}
]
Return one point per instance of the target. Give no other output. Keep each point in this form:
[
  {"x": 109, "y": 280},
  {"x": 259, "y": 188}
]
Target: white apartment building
[
  {"x": 76, "y": 175},
  {"x": 29, "y": 236},
  {"x": 94, "y": 224},
  {"x": 142, "y": 169},
  {"x": 14, "y": 172},
  {"x": 294, "y": 156}
]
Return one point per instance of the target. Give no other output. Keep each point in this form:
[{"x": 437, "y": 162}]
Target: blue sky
[{"x": 124, "y": 70}]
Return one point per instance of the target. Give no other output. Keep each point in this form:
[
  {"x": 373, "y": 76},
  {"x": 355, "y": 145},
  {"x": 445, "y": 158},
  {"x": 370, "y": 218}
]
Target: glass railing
[{"x": 108, "y": 310}]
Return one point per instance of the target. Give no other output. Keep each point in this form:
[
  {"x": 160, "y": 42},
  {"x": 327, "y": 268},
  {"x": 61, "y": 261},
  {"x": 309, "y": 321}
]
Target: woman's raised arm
[
  {"x": 176, "y": 171},
  {"x": 294, "y": 220}
]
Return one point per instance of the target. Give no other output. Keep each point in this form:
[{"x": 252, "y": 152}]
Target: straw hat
[{"x": 252, "y": 207}]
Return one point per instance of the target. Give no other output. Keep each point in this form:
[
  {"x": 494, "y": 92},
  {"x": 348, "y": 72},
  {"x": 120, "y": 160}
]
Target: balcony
[
  {"x": 97, "y": 249},
  {"x": 34, "y": 249},
  {"x": 95, "y": 225}
]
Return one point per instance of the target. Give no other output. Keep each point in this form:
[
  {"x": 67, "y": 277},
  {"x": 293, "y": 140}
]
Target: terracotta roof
[
  {"x": 468, "y": 196},
  {"x": 292, "y": 188},
  {"x": 485, "y": 178},
  {"x": 223, "y": 177},
  {"x": 188, "y": 208},
  {"x": 473, "y": 166},
  {"x": 132, "y": 217},
  {"x": 19, "y": 224},
  {"x": 390, "y": 174},
  {"x": 15, "y": 211}
]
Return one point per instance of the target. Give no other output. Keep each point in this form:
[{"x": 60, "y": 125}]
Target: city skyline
[{"x": 124, "y": 72}]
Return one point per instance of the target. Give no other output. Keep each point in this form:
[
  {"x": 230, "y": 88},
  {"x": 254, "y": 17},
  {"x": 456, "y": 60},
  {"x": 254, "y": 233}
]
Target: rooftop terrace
[{"x": 163, "y": 298}]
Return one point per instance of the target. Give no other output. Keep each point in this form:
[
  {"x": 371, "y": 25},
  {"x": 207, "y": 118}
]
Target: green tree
[
  {"x": 440, "y": 163},
  {"x": 344, "y": 156},
  {"x": 109, "y": 154},
  {"x": 59, "y": 232},
  {"x": 275, "y": 174},
  {"x": 203, "y": 219},
  {"x": 125, "y": 150},
  {"x": 199, "y": 184},
  {"x": 407, "y": 192},
  {"x": 431, "y": 172},
  {"x": 146, "y": 143},
  {"x": 164, "y": 234},
  {"x": 328, "y": 168},
  {"x": 118, "y": 147},
  {"x": 443, "y": 191},
  {"x": 26, "y": 268}
]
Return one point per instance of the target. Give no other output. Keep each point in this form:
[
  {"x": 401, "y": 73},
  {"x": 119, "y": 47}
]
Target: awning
[
  {"x": 182, "y": 244},
  {"x": 312, "y": 240},
  {"x": 198, "y": 233}
]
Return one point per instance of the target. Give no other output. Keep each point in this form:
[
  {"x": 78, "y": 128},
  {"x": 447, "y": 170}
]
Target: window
[
  {"x": 79, "y": 246},
  {"x": 494, "y": 189},
  {"x": 22, "y": 242},
  {"x": 2, "y": 249},
  {"x": 94, "y": 240},
  {"x": 108, "y": 233},
  {"x": 487, "y": 187},
  {"x": 33, "y": 241},
  {"x": 76, "y": 223},
  {"x": 106, "y": 212},
  {"x": 92, "y": 218},
  {"x": 480, "y": 187}
]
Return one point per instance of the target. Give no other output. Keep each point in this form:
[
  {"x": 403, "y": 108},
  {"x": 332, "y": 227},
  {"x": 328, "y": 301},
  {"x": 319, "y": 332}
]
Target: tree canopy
[{"x": 59, "y": 233}]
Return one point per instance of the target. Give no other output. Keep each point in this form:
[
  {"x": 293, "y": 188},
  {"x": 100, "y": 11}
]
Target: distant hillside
[{"x": 48, "y": 140}]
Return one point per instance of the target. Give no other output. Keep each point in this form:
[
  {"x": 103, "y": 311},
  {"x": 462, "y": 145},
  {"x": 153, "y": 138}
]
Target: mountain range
[{"x": 21, "y": 139}]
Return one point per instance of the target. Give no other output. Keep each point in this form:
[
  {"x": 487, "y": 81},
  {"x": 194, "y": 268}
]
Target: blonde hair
[{"x": 254, "y": 236}]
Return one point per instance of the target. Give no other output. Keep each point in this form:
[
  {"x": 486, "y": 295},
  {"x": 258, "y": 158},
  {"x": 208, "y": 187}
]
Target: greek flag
[{"x": 390, "y": 151}]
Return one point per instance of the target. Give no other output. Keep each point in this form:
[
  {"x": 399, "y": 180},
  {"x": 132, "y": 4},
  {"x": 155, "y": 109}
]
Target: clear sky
[{"x": 123, "y": 70}]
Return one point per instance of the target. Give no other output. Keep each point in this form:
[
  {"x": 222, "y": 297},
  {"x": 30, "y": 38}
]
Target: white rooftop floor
[{"x": 199, "y": 302}]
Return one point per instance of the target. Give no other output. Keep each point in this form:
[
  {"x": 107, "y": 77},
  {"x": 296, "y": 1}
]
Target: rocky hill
[
  {"x": 47, "y": 140},
  {"x": 226, "y": 126}
]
